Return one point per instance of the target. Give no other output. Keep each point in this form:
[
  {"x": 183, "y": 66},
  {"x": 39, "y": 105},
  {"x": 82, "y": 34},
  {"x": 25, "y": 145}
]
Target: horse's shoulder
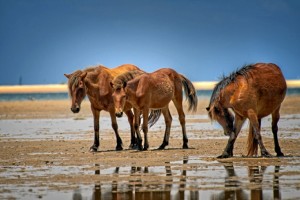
[{"x": 142, "y": 84}]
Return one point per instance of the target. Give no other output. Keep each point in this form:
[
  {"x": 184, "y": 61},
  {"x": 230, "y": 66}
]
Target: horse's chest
[{"x": 100, "y": 103}]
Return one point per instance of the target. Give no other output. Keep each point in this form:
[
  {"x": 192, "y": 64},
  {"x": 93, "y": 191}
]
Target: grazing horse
[
  {"x": 154, "y": 91},
  {"x": 253, "y": 92},
  {"x": 95, "y": 83}
]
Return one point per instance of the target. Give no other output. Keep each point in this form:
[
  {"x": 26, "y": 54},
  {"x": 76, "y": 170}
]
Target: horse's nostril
[
  {"x": 119, "y": 114},
  {"x": 75, "y": 110}
]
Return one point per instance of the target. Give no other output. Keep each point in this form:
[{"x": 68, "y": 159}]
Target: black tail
[
  {"x": 190, "y": 93},
  {"x": 153, "y": 117}
]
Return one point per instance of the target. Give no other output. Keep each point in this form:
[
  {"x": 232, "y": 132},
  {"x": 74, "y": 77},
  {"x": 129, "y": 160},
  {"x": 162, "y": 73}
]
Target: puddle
[{"x": 190, "y": 178}]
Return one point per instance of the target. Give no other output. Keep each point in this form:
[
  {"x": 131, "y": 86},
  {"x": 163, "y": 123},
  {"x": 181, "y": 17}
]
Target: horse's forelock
[
  {"x": 118, "y": 84},
  {"x": 119, "y": 81},
  {"x": 74, "y": 79}
]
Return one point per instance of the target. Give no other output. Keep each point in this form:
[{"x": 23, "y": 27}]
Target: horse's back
[
  {"x": 122, "y": 69},
  {"x": 268, "y": 77},
  {"x": 264, "y": 87}
]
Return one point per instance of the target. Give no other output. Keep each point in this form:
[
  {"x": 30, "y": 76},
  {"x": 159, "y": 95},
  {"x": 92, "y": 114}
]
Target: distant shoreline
[{"x": 57, "y": 88}]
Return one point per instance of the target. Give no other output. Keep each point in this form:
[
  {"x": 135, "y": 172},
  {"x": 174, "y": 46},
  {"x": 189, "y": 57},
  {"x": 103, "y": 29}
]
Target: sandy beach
[{"x": 44, "y": 154}]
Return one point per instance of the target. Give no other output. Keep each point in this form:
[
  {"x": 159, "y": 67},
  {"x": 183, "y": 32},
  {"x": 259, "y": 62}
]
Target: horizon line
[{"x": 57, "y": 88}]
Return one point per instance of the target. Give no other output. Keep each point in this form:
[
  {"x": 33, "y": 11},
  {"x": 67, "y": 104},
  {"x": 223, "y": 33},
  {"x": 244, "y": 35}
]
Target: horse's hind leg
[
  {"x": 115, "y": 128},
  {"x": 256, "y": 130},
  {"x": 136, "y": 125},
  {"x": 133, "y": 143},
  {"x": 145, "y": 128},
  {"x": 178, "y": 105},
  {"x": 168, "y": 122},
  {"x": 275, "y": 119}
]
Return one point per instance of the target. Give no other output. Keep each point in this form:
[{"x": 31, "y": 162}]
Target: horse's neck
[
  {"x": 226, "y": 95},
  {"x": 91, "y": 83}
]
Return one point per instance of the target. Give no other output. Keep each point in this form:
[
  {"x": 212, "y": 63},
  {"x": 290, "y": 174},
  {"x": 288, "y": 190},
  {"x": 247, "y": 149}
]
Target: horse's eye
[{"x": 81, "y": 84}]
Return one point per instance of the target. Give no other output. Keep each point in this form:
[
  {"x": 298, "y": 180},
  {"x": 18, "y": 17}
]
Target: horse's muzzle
[
  {"x": 75, "y": 109},
  {"x": 119, "y": 114}
]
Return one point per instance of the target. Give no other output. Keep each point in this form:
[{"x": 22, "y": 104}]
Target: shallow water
[
  {"x": 190, "y": 178},
  {"x": 197, "y": 126}
]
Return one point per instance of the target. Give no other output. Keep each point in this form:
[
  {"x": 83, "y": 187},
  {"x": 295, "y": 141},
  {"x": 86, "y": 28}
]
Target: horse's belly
[{"x": 161, "y": 95}]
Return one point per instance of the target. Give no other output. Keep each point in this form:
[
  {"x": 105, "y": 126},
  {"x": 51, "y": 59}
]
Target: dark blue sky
[{"x": 42, "y": 40}]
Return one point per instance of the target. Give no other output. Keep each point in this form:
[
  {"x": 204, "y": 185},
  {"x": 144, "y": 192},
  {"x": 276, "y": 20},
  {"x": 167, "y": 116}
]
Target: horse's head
[
  {"x": 77, "y": 89},
  {"x": 119, "y": 97},
  {"x": 223, "y": 116}
]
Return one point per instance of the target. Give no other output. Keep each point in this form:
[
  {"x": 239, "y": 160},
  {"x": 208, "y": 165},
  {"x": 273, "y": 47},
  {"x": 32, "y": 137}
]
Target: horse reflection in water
[
  {"x": 139, "y": 188},
  {"x": 234, "y": 187},
  {"x": 142, "y": 185}
]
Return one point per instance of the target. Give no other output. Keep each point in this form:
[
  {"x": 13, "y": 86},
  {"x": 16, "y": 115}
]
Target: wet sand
[{"x": 58, "y": 164}]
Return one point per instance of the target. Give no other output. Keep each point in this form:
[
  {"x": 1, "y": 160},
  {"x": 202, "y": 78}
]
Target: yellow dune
[
  {"x": 33, "y": 88},
  {"x": 7, "y": 89},
  {"x": 209, "y": 85}
]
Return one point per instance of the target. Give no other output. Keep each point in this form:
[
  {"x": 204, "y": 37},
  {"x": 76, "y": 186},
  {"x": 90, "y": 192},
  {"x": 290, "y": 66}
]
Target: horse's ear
[
  {"x": 124, "y": 84},
  {"x": 67, "y": 75},
  {"x": 111, "y": 84},
  {"x": 83, "y": 75},
  {"x": 208, "y": 108}
]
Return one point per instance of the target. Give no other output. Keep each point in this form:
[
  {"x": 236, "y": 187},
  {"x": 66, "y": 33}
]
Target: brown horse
[
  {"x": 95, "y": 82},
  {"x": 252, "y": 92},
  {"x": 154, "y": 91}
]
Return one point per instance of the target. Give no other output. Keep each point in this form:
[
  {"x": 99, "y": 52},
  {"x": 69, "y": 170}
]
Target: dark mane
[
  {"x": 119, "y": 81},
  {"x": 225, "y": 80},
  {"x": 74, "y": 79}
]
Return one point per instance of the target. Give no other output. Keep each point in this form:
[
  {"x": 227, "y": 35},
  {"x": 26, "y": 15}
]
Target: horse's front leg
[
  {"x": 96, "y": 115},
  {"x": 238, "y": 123},
  {"x": 133, "y": 143},
  {"x": 114, "y": 125},
  {"x": 145, "y": 128}
]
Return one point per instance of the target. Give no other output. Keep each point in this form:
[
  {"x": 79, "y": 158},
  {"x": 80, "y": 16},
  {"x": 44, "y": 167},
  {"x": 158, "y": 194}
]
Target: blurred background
[{"x": 42, "y": 40}]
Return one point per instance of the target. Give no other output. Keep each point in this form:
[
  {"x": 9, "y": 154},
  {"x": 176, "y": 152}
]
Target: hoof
[
  {"x": 133, "y": 146},
  {"x": 224, "y": 155},
  {"x": 93, "y": 149},
  {"x": 185, "y": 146},
  {"x": 161, "y": 147},
  {"x": 280, "y": 154},
  {"x": 145, "y": 148},
  {"x": 119, "y": 148},
  {"x": 140, "y": 148},
  {"x": 266, "y": 154}
]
